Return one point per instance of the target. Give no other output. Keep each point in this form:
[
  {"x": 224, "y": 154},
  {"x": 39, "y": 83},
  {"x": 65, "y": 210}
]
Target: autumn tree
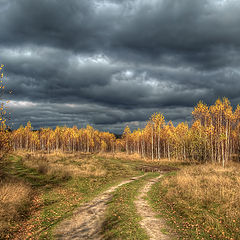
[
  {"x": 126, "y": 136},
  {"x": 4, "y": 134},
  {"x": 157, "y": 120}
]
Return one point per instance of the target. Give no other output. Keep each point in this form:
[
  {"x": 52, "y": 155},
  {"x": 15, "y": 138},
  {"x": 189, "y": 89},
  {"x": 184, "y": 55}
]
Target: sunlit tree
[
  {"x": 126, "y": 137},
  {"x": 4, "y": 134}
]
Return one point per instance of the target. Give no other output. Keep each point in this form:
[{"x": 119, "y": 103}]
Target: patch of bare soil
[
  {"x": 86, "y": 222},
  {"x": 155, "y": 227}
]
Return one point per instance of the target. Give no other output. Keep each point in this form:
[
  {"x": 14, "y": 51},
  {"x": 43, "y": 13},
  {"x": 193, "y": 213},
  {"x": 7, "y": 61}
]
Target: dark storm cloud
[
  {"x": 56, "y": 23},
  {"x": 99, "y": 116},
  {"x": 112, "y": 63},
  {"x": 198, "y": 31}
]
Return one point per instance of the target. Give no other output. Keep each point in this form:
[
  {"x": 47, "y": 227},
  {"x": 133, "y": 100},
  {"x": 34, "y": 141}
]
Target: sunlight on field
[
  {"x": 63, "y": 164},
  {"x": 121, "y": 155},
  {"x": 209, "y": 184},
  {"x": 138, "y": 158}
]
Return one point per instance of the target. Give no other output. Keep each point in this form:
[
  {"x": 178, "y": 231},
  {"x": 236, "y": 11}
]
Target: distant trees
[{"x": 63, "y": 138}]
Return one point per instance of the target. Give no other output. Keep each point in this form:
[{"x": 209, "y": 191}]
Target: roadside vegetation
[{"x": 201, "y": 201}]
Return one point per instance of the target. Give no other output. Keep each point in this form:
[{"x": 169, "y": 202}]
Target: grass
[
  {"x": 200, "y": 202},
  {"x": 14, "y": 199},
  {"x": 53, "y": 196},
  {"x": 137, "y": 159},
  {"x": 122, "y": 220},
  {"x": 64, "y": 165}
]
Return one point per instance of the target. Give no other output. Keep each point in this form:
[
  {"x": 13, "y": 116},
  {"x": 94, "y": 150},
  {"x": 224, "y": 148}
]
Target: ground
[{"x": 87, "y": 196}]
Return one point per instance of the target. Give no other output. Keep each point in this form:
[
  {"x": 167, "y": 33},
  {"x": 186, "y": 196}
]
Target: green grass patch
[{"x": 122, "y": 220}]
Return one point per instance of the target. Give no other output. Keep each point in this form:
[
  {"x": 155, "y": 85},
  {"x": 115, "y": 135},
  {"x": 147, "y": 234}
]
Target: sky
[{"x": 109, "y": 63}]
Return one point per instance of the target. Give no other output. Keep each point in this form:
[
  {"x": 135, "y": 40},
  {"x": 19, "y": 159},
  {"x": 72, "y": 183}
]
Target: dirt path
[
  {"x": 86, "y": 222},
  {"x": 155, "y": 227}
]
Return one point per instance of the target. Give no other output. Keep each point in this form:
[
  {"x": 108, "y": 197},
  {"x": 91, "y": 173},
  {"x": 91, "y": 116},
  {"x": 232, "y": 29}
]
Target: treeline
[
  {"x": 213, "y": 136},
  {"x": 62, "y": 138}
]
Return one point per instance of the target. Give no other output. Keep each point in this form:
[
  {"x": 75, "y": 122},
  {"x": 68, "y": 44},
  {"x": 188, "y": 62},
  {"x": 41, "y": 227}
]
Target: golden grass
[
  {"x": 13, "y": 195},
  {"x": 64, "y": 164},
  {"x": 120, "y": 155},
  {"x": 209, "y": 190},
  {"x": 138, "y": 157},
  {"x": 207, "y": 184},
  {"x": 13, "y": 192}
]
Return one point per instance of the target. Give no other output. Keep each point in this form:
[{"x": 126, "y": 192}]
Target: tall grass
[
  {"x": 14, "y": 195},
  {"x": 202, "y": 201},
  {"x": 64, "y": 165},
  {"x": 138, "y": 158}
]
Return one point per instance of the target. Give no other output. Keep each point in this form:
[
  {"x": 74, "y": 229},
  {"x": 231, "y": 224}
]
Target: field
[
  {"x": 200, "y": 202},
  {"x": 39, "y": 190}
]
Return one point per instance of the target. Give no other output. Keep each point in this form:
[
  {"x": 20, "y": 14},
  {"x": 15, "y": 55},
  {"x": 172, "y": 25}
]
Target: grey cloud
[
  {"x": 101, "y": 117},
  {"x": 112, "y": 63}
]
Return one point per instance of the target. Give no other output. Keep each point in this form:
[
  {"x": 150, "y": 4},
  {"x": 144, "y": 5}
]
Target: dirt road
[
  {"x": 155, "y": 227},
  {"x": 86, "y": 222}
]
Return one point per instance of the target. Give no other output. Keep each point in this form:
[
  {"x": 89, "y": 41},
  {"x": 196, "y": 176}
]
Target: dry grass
[
  {"x": 207, "y": 195},
  {"x": 137, "y": 157},
  {"x": 209, "y": 184},
  {"x": 121, "y": 155},
  {"x": 64, "y": 165},
  {"x": 132, "y": 157},
  {"x": 13, "y": 195}
]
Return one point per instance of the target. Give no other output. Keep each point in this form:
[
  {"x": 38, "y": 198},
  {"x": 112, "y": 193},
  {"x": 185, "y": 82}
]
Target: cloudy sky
[{"x": 114, "y": 62}]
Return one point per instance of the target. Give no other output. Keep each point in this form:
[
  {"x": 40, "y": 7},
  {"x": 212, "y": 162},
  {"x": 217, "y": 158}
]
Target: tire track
[
  {"x": 155, "y": 227},
  {"x": 87, "y": 221}
]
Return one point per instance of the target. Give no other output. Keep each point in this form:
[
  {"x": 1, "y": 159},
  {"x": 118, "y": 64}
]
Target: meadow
[
  {"x": 200, "y": 201},
  {"x": 39, "y": 190}
]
